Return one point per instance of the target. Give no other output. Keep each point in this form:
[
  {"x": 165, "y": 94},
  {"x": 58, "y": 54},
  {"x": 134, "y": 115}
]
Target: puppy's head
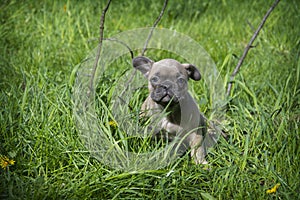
[{"x": 167, "y": 78}]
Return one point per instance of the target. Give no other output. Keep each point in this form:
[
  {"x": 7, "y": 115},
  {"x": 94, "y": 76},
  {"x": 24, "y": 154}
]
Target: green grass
[{"x": 41, "y": 43}]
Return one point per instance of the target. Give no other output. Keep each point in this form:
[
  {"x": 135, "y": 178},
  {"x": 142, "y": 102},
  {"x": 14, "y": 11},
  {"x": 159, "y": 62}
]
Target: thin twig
[
  {"x": 251, "y": 26},
  {"x": 123, "y": 43},
  {"x": 238, "y": 66},
  {"x": 102, "y": 20},
  {"x": 154, "y": 26}
]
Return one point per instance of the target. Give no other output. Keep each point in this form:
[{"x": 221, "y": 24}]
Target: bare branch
[
  {"x": 154, "y": 26},
  {"x": 123, "y": 43},
  {"x": 251, "y": 26},
  {"x": 248, "y": 47},
  {"x": 102, "y": 20}
]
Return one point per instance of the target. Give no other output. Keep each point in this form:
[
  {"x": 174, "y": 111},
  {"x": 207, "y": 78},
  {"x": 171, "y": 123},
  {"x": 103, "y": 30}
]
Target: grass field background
[{"x": 41, "y": 42}]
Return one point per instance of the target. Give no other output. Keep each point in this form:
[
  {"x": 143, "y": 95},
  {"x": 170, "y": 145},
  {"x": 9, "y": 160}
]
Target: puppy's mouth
[{"x": 162, "y": 95}]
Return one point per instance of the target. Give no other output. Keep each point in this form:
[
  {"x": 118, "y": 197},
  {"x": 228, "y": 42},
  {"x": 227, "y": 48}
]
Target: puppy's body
[{"x": 167, "y": 84}]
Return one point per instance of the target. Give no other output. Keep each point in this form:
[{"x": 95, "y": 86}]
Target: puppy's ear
[
  {"x": 142, "y": 64},
  {"x": 192, "y": 71}
]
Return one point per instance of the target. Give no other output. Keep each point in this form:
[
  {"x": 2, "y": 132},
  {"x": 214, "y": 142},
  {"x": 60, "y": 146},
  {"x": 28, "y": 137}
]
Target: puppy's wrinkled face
[{"x": 167, "y": 79}]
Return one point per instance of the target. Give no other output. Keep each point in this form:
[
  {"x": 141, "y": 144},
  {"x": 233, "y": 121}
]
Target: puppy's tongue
[{"x": 166, "y": 98}]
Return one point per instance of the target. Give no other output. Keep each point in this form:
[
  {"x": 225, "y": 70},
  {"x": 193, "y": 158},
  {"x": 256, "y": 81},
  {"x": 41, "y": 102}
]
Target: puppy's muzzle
[{"x": 163, "y": 93}]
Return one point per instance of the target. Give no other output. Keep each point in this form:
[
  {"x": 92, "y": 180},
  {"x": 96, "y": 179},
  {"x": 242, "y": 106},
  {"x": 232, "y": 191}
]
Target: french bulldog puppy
[{"x": 168, "y": 92}]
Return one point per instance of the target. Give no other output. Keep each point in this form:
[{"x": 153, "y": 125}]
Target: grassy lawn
[{"x": 42, "y": 43}]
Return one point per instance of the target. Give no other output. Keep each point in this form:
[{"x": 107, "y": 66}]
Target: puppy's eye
[
  {"x": 181, "y": 81},
  {"x": 154, "y": 79}
]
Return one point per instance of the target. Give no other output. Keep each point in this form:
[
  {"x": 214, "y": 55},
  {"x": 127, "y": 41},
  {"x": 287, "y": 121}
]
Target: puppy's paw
[
  {"x": 200, "y": 162},
  {"x": 199, "y": 155},
  {"x": 204, "y": 164}
]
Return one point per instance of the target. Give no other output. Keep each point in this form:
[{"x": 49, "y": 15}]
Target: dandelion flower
[
  {"x": 113, "y": 124},
  {"x": 5, "y": 161},
  {"x": 273, "y": 189}
]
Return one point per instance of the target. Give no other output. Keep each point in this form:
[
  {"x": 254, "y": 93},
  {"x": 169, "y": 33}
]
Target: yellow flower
[
  {"x": 273, "y": 189},
  {"x": 113, "y": 124},
  {"x": 5, "y": 161}
]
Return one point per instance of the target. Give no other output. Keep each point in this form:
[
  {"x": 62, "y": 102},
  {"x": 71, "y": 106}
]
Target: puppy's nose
[
  {"x": 166, "y": 85},
  {"x": 161, "y": 89}
]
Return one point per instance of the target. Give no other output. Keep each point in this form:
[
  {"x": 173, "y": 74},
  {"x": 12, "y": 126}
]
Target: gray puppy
[{"x": 168, "y": 87}]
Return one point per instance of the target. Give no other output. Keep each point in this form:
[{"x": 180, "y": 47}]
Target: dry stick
[
  {"x": 102, "y": 20},
  {"x": 123, "y": 43},
  {"x": 238, "y": 66},
  {"x": 154, "y": 26}
]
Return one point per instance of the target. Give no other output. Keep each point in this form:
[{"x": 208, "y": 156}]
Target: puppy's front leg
[
  {"x": 175, "y": 133},
  {"x": 198, "y": 151},
  {"x": 170, "y": 127}
]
